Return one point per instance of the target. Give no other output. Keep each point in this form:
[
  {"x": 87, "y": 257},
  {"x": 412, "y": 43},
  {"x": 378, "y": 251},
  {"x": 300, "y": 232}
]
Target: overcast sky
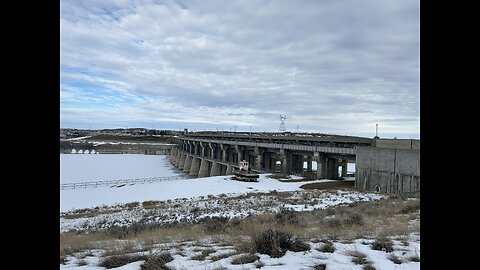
[{"x": 330, "y": 66}]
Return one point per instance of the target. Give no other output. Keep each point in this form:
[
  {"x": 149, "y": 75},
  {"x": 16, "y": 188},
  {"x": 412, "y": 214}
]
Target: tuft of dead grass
[
  {"x": 383, "y": 244},
  {"x": 205, "y": 253},
  {"x": 156, "y": 261},
  {"x": 358, "y": 257},
  {"x": 120, "y": 260},
  {"x": 245, "y": 258},
  {"x": 327, "y": 247},
  {"x": 394, "y": 258}
]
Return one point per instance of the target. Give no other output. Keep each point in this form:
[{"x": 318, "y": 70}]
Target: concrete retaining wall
[{"x": 387, "y": 170}]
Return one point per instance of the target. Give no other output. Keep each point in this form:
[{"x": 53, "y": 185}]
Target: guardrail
[{"x": 119, "y": 183}]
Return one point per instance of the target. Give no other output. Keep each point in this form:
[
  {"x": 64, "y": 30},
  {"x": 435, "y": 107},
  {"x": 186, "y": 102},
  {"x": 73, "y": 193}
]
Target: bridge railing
[{"x": 309, "y": 148}]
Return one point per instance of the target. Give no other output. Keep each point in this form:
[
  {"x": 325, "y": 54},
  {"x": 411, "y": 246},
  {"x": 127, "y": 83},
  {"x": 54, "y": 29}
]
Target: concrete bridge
[{"x": 205, "y": 154}]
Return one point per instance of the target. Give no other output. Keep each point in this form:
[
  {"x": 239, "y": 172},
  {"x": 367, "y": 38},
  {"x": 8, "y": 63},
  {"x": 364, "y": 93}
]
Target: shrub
[
  {"x": 368, "y": 267},
  {"x": 132, "y": 204},
  {"x": 205, "y": 253},
  {"x": 320, "y": 267},
  {"x": 214, "y": 224},
  {"x": 82, "y": 262},
  {"x": 286, "y": 216},
  {"x": 117, "y": 232},
  {"x": 328, "y": 247},
  {"x": 354, "y": 219},
  {"x": 157, "y": 262},
  {"x": 222, "y": 256},
  {"x": 259, "y": 264},
  {"x": 276, "y": 243},
  {"x": 410, "y": 207},
  {"x": 334, "y": 223},
  {"x": 392, "y": 257},
  {"x": 150, "y": 204},
  {"x": 246, "y": 258},
  {"x": 383, "y": 244},
  {"x": 120, "y": 260},
  {"x": 358, "y": 257},
  {"x": 414, "y": 258}
]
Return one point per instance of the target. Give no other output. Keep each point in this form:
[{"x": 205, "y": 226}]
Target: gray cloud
[{"x": 331, "y": 66}]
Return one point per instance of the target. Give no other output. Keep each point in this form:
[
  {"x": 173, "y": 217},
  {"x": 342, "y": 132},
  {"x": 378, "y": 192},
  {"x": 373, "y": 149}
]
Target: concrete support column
[
  {"x": 216, "y": 169},
  {"x": 188, "y": 164},
  {"x": 182, "y": 161},
  {"x": 239, "y": 150},
  {"x": 259, "y": 158},
  {"x": 223, "y": 169},
  {"x": 211, "y": 149},
  {"x": 329, "y": 166},
  {"x": 230, "y": 155},
  {"x": 177, "y": 159},
  {"x": 203, "y": 171},
  {"x": 195, "y": 167},
  {"x": 309, "y": 163},
  {"x": 172, "y": 154},
  {"x": 229, "y": 170},
  {"x": 332, "y": 168},
  {"x": 286, "y": 158},
  {"x": 344, "y": 167},
  {"x": 202, "y": 149},
  {"x": 337, "y": 166},
  {"x": 321, "y": 165},
  {"x": 223, "y": 149},
  {"x": 195, "y": 148}
]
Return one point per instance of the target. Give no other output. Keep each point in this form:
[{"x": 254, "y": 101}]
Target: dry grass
[
  {"x": 86, "y": 213},
  {"x": 394, "y": 258},
  {"x": 123, "y": 248},
  {"x": 71, "y": 243},
  {"x": 358, "y": 257},
  {"x": 320, "y": 267},
  {"x": 327, "y": 247},
  {"x": 245, "y": 258},
  {"x": 156, "y": 261},
  {"x": 329, "y": 185},
  {"x": 120, "y": 260},
  {"x": 223, "y": 256},
  {"x": 205, "y": 253}
]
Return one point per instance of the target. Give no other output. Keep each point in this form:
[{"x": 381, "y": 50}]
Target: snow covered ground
[
  {"x": 406, "y": 252},
  {"x": 194, "y": 198},
  {"x": 86, "y": 168},
  {"x": 168, "y": 190},
  {"x": 194, "y": 206}
]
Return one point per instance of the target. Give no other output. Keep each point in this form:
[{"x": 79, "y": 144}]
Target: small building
[{"x": 389, "y": 166}]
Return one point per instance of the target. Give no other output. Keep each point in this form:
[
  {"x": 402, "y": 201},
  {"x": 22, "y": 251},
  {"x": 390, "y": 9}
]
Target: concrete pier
[
  {"x": 203, "y": 172},
  {"x": 216, "y": 169},
  {"x": 188, "y": 164},
  {"x": 195, "y": 167}
]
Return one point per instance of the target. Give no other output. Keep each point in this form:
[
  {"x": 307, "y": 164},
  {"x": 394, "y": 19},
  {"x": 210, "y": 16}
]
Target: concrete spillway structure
[
  {"x": 218, "y": 153},
  {"x": 389, "y": 166}
]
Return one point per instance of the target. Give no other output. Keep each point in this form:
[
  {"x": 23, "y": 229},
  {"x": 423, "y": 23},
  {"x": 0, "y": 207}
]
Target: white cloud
[{"x": 323, "y": 63}]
